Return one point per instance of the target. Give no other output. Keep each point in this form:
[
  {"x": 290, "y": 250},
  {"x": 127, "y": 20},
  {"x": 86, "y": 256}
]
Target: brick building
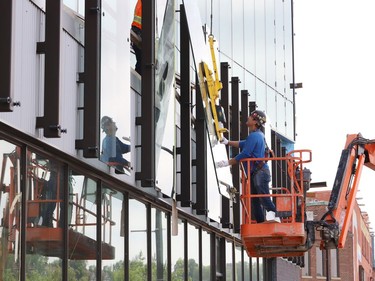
[{"x": 352, "y": 263}]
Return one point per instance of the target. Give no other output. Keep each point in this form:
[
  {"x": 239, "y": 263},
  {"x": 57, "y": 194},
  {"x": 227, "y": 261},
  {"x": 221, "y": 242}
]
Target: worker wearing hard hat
[
  {"x": 136, "y": 35},
  {"x": 254, "y": 146}
]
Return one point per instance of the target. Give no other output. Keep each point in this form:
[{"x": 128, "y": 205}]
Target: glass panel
[
  {"x": 137, "y": 241},
  {"x": 261, "y": 269},
  {"x": 260, "y": 45},
  {"x": 82, "y": 228},
  {"x": 165, "y": 95},
  {"x": 247, "y": 268},
  {"x": 115, "y": 104},
  {"x": 10, "y": 211},
  {"x": 76, "y": 5},
  {"x": 193, "y": 253},
  {"x": 113, "y": 233},
  {"x": 178, "y": 241},
  {"x": 254, "y": 269},
  {"x": 334, "y": 263},
  {"x": 306, "y": 268},
  {"x": 206, "y": 256},
  {"x": 238, "y": 257},
  {"x": 159, "y": 244},
  {"x": 229, "y": 260},
  {"x": 45, "y": 192},
  {"x": 319, "y": 262}
]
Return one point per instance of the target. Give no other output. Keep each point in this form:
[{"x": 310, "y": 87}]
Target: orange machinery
[{"x": 295, "y": 234}]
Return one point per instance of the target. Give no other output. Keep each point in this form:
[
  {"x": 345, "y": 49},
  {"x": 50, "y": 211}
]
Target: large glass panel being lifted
[
  {"x": 201, "y": 54},
  {"x": 164, "y": 95}
]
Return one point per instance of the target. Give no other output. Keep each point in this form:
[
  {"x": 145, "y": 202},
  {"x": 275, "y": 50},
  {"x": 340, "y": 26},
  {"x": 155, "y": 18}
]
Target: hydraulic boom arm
[{"x": 335, "y": 222}]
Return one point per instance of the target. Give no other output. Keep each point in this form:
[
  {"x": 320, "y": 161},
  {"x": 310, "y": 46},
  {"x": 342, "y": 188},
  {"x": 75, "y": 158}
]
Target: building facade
[
  {"x": 109, "y": 175},
  {"x": 354, "y": 261}
]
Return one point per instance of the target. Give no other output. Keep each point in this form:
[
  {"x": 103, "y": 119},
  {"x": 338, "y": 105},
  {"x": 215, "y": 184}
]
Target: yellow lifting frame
[{"x": 212, "y": 87}]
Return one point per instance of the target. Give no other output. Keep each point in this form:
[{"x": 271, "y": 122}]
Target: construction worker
[
  {"x": 136, "y": 35},
  {"x": 254, "y": 147}
]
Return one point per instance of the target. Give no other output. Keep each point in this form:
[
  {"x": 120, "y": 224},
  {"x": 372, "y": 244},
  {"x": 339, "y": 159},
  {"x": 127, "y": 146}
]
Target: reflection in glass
[
  {"x": 193, "y": 252},
  {"x": 177, "y": 251},
  {"x": 82, "y": 229},
  {"x": 159, "y": 244},
  {"x": 113, "y": 233},
  {"x": 229, "y": 260},
  {"x": 206, "y": 256},
  {"x": 137, "y": 241},
  {"x": 44, "y": 208},
  {"x": 10, "y": 211},
  {"x": 115, "y": 85},
  {"x": 113, "y": 148}
]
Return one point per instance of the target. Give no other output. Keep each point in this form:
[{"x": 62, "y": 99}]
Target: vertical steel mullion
[
  {"x": 235, "y": 135},
  {"x": 185, "y": 148},
  {"x": 186, "y": 251},
  {"x": 244, "y": 113},
  {"x": 200, "y": 256},
  {"x": 91, "y": 79},
  {"x": 6, "y": 93},
  {"x": 169, "y": 248},
  {"x": 224, "y": 102},
  {"x": 24, "y": 190},
  {"x": 147, "y": 119},
  {"x": 65, "y": 223},
  {"x": 99, "y": 230},
  {"x": 51, "y": 47},
  {"x": 201, "y": 161},
  {"x": 125, "y": 207},
  {"x": 213, "y": 254}
]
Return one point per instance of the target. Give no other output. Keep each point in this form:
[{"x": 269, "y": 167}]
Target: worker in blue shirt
[{"x": 254, "y": 146}]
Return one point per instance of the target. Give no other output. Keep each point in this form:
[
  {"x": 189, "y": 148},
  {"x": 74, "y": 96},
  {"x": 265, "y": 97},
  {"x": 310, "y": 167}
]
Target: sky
[{"x": 335, "y": 61}]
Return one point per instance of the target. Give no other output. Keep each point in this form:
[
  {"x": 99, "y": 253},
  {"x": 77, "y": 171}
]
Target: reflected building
[{"x": 69, "y": 214}]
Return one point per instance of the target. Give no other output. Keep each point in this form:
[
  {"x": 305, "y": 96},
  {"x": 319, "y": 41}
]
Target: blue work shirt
[{"x": 252, "y": 147}]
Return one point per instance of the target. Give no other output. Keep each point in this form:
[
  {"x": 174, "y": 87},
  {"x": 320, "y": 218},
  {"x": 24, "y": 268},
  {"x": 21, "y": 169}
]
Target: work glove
[
  {"x": 224, "y": 141},
  {"x": 222, "y": 163}
]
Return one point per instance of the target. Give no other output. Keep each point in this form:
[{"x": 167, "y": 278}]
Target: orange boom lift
[{"x": 295, "y": 234}]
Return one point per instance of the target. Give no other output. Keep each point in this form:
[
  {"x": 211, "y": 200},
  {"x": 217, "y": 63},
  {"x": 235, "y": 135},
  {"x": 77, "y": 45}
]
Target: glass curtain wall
[
  {"x": 193, "y": 252},
  {"x": 206, "y": 255}
]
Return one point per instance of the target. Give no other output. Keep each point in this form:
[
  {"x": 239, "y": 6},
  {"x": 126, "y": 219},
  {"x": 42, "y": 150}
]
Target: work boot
[{"x": 271, "y": 217}]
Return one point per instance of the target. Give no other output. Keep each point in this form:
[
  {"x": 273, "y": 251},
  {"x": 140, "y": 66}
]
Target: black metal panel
[
  {"x": 224, "y": 102},
  {"x": 185, "y": 103},
  {"x": 201, "y": 161},
  {"x": 50, "y": 122},
  {"x": 235, "y": 135},
  {"x": 244, "y": 113},
  {"x": 91, "y": 79},
  {"x": 6, "y": 101},
  {"x": 147, "y": 119}
]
